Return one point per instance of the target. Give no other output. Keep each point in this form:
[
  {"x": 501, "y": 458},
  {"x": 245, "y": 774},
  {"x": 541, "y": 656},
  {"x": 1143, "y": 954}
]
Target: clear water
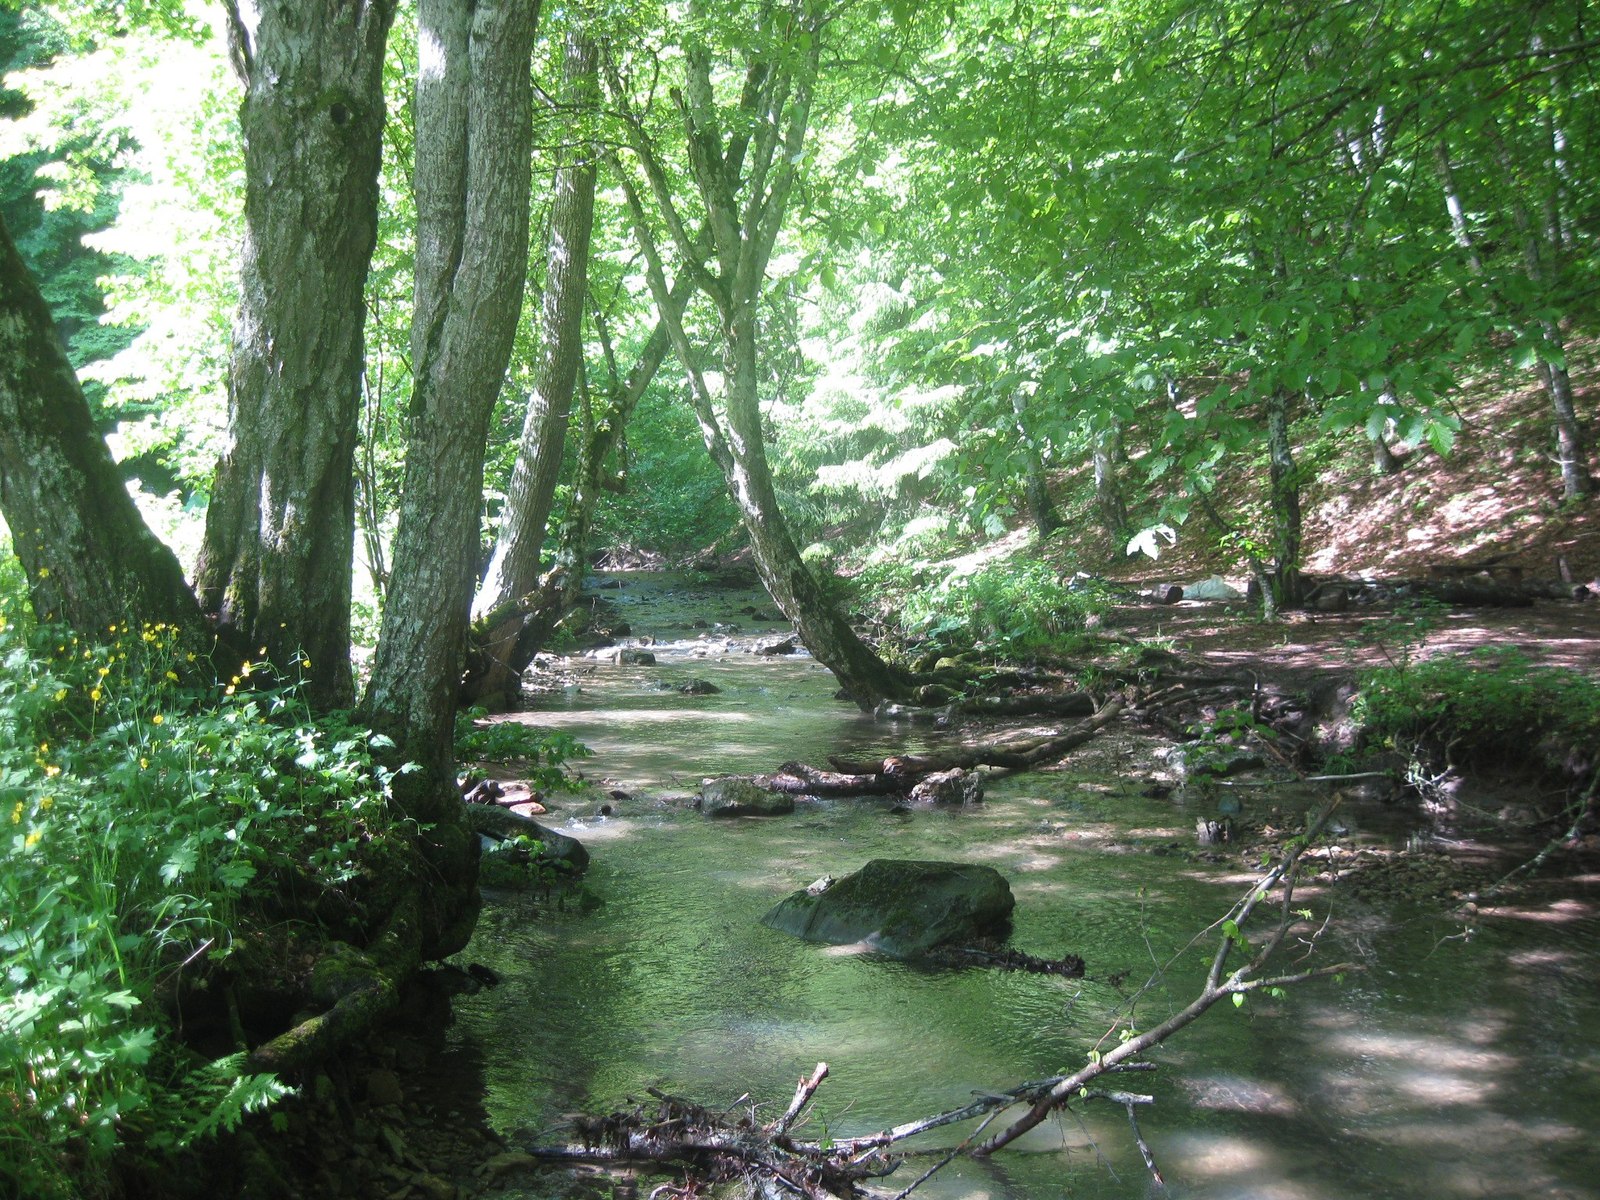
[{"x": 1464, "y": 1063}]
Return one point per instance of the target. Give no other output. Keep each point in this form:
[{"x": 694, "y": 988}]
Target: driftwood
[
  {"x": 732, "y": 1144},
  {"x": 901, "y": 772}
]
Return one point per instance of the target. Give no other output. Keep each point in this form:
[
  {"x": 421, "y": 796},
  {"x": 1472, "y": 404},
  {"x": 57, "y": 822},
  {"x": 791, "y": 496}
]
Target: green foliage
[
  {"x": 1487, "y": 707},
  {"x": 1007, "y": 607},
  {"x": 675, "y": 501},
  {"x": 542, "y": 753},
  {"x": 146, "y": 808}
]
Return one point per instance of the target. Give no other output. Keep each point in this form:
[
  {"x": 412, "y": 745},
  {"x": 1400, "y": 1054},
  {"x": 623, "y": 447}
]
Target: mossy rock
[{"x": 901, "y": 908}]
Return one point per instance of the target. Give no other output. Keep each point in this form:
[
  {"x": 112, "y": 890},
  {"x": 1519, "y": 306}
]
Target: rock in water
[
  {"x": 902, "y": 908},
  {"x": 954, "y": 786},
  {"x": 735, "y": 796}
]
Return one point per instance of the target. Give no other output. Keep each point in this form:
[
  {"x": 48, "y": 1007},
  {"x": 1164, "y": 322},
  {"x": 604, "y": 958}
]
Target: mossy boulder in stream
[
  {"x": 904, "y": 909},
  {"x": 736, "y": 796}
]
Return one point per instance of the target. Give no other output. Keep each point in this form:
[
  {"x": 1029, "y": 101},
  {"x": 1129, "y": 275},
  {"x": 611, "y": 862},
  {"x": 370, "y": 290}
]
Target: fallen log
[{"x": 911, "y": 768}]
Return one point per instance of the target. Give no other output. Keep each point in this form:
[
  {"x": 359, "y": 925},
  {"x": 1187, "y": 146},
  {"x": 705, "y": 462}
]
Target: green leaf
[{"x": 1238, "y": 999}]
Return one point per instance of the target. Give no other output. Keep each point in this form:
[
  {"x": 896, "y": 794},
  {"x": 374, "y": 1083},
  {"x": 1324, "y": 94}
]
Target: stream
[{"x": 1464, "y": 1062}]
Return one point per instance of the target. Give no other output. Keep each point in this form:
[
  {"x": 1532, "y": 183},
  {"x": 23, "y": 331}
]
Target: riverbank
[{"x": 439, "y": 1115}]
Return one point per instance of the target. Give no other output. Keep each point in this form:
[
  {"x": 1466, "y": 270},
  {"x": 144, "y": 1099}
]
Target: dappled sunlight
[
  {"x": 1247, "y": 1166},
  {"x": 1566, "y": 911},
  {"x": 1237, "y": 1093},
  {"x": 674, "y": 979}
]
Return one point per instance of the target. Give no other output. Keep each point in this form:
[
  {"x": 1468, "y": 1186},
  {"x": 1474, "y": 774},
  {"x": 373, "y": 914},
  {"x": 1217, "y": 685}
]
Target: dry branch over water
[{"x": 731, "y": 1144}]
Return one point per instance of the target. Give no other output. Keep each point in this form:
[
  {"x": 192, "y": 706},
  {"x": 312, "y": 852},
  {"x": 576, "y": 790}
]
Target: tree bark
[
  {"x": 90, "y": 559},
  {"x": 1284, "y": 499},
  {"x": 745, "y": 209},
  {"x": 1035, "y": 485},
  {"x": 514, "y": 568},
  {"x": 277, "y": 557},
  {"x": 1106, "y": 450},
  {"x": 472, "y": 184}
]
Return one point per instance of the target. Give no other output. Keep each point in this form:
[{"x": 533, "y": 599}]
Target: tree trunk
[
  {"x": 1284, "y": 499},
  {"x": 276, "y": 561},
  {"x": 1106, "y": 449},
  {"x": 1571, "y": 450},
  {"x": 1036, "y": 488},
  {"x": 514, "y": 568},
  {"x": 1540, "y": 263},
  {"x": 90, "y": 560},
  {"x": 746, "y": 200},
  {"x": 472, "y": 185},
  {"x": 601, "y": 435},
  {"x": 865, "y": 677}
]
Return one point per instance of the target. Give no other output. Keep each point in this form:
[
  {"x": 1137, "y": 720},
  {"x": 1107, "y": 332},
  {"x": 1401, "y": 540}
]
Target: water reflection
[{"x": 1460, "y": 1066}]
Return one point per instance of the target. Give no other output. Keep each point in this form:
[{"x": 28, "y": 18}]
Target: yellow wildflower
[
  {"x": 158, "y": 719},
  {"x": 172, "y": 675},
  {"x": 46, "y": 803},
  {"x": 16, "y": 814},
  {"x": 104, "y": 671},
  {"x": 51, "y": 772},
  {"x": 94, "y": 695},
  {"x": 61, "y": 694},
  {"x": 33, "y": 838},
  {"x": 44, "y": 572},
  {"x": 144, "y": 764}
]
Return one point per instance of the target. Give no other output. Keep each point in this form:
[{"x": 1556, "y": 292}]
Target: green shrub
[
  {"x": 1007, "y": 607},
  {"x": 542, "y": 753},
  {"x": 1482, "y": 708},
  {"x": 144, "y": 812}
]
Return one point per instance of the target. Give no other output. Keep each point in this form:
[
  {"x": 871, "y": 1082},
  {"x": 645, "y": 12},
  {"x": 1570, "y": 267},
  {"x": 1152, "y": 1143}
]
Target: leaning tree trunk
[
  {"x": 865, "y": 677},
  {"x": 472, "y": 184},
  {"x": 89, "y": 557},
  {"x": 514, "y": 567},
  {"x": 745, "y": 190},
  {"x": 279, "y": 540}
]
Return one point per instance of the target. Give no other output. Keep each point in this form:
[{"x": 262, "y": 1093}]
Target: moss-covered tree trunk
[
  {"x": 279, "y": 540},
  {"x": 472, "y": 186},
  {"x": 90, "y": 559}
]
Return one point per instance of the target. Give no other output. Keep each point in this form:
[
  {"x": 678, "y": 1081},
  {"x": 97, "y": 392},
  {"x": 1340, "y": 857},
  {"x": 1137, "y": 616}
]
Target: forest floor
[{"x": 1494, "y": 499}]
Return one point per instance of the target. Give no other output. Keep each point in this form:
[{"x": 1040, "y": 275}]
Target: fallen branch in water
[
  {"x": 730, "y": 1146},
  {"x": 899, "y": 774}
]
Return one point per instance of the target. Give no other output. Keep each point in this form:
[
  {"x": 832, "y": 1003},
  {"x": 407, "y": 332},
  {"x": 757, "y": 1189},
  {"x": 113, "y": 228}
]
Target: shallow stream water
[{"x": 1463, "y": 1062}]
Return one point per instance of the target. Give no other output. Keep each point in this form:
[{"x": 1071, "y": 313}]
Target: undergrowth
[
  {"x": 1008, "y": 608},
  {"x": 1486, "y": 708},
  {"x": 147, "y": 807}
]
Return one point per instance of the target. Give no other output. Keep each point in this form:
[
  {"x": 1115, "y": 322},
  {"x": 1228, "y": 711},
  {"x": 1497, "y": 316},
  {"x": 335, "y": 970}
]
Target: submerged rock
[
  {"x": 735, "y": 796},
  {"x": 899, "y": 907}
]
